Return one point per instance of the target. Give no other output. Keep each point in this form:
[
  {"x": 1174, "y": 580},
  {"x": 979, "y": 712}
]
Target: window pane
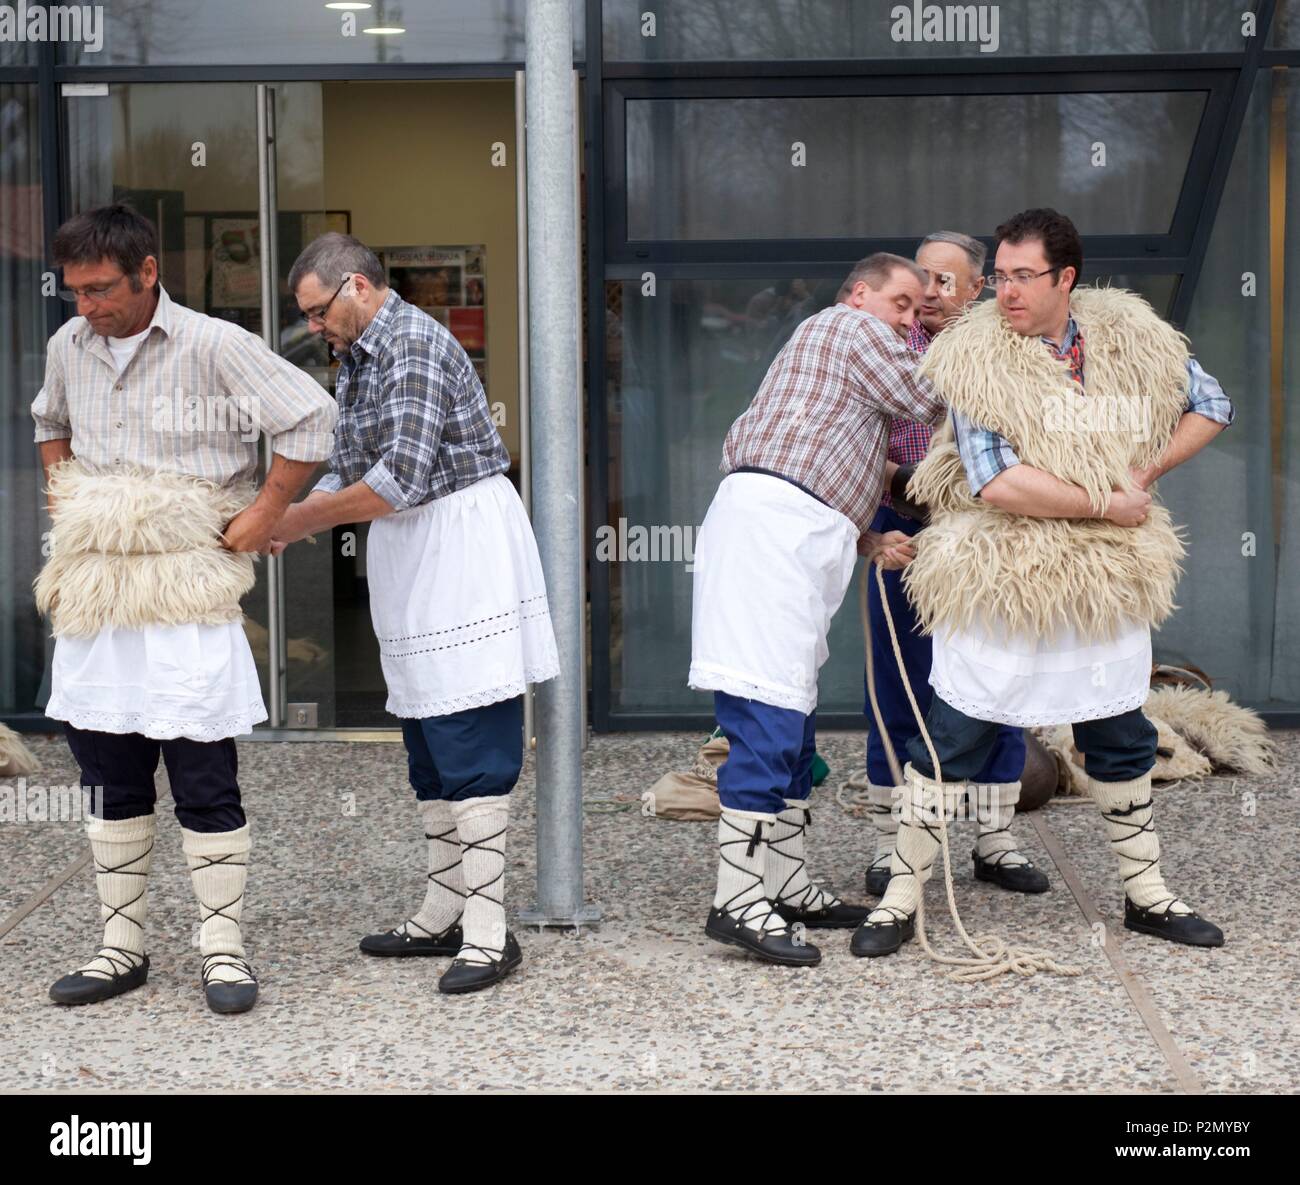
[
  {"x": 248, "y": 32},
  {"x": 901, "y": 165},
  {"x": 22, "y": 368},
  {"x": 681, "y": 365},
  {"x": 740, "y": 29},
  {"x": 1229, "y": 593},
  {"x": 1286, "y": 25}
]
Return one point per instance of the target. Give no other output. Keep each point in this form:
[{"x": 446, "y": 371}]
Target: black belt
[{"x": 772, "y": 473}]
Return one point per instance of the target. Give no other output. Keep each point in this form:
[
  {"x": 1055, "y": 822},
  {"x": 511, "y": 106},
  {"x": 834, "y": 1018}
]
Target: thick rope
[{"x": 991, "y": 955}]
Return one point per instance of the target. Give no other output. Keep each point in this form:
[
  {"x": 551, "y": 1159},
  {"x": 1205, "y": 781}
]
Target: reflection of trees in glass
[
  {"x": 727, "y": 29},
  {"x": 898, "y": 165}
]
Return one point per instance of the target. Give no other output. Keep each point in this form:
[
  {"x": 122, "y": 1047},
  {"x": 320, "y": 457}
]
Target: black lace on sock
[
  {"x": 752, "y": 843},
  {"x": 898, "y": 916},
  {"x": 117, "y": 910},
  {"x": 815, "y": 892},
  {"x": 121, "y": 966},
  {"x": 206, "y": 912},
  {"x": 1118, "y": 817},
  {"x": 403, "y": 931},
  {"x": 494, "y": 953}
]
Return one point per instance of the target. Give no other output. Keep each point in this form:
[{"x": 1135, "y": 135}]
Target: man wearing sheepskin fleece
[
  {"x": 1046, "y": 561},
  {"x": 457, "y": 595},
  {"x": 148, "y": 426}
]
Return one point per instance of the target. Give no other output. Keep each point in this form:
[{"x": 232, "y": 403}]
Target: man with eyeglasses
[
  {"x": 148, "y": 425},
  {"x": 1046, "y": 561},
  {"x": 457, "y": 595},
  {"x": 954, "y": 263}
]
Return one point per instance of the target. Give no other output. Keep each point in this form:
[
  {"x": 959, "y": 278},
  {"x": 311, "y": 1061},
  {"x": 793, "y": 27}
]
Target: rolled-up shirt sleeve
[
  {"x": 50, "y": 407},
  {"x": 331, "y": 483},
  {"x": 285, "y": 403},
  {"x": 1205, "y": 397},
  {"x": 418, "y": 390},
  {"x": 984, "y": 453}
]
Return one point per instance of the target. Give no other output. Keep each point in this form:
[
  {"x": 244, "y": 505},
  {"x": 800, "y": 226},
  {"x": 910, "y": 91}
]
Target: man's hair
[
  {"x": 333, "y": 256},
  {"x": 116, "y": 233},
  {"x": 875, "y": 271},
  {"x": 976, "y": 252},
  {"x": 1060, "y": 239}
]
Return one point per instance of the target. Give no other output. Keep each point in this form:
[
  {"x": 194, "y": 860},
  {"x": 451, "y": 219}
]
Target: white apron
[
  {"x": 162, "y": 681},
  {"x": 772, "y": 565},
  {"x": 458, "y": 602},
  {"x": 1028, "y": 681}
]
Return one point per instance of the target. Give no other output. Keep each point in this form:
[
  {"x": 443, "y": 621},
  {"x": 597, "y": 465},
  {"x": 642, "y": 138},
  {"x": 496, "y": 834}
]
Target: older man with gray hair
[
  {"x": 457, "y": 595},
  {"x": 954, "y": 267}
]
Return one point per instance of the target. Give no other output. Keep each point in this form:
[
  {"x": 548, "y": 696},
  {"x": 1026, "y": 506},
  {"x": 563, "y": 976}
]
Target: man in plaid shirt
[
  {"x": 953, "y": 264},
  {"x": 456, "y": 589},
  {"x": 804, "y": 467}
]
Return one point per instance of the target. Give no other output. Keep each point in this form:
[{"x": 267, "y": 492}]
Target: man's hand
[
  {"x": 1128, "y": 508},
  {"x": 250, "y": 530},
  {"x": 892, "y": 550}
]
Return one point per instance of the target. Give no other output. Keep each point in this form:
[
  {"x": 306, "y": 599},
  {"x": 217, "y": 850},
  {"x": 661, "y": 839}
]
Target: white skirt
[
  {"x": 772, "y": 565},
  {"x": 458, "y": 602},
  {"x": 1027, "y": 681},
  {"x": 162, "y": 681}
]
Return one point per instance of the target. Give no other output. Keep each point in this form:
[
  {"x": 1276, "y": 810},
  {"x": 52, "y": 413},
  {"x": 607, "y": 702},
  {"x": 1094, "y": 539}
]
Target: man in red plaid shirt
[
  {"x": 805, "y": 466},
  {"x": 954, "y": 265}
]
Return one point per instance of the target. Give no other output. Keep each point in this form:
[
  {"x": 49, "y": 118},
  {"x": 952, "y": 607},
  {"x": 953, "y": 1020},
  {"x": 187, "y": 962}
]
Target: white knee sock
[
  {"x": 444, "y": 899},
  {"x": 742, "y": 858},
  {"x": 481, "y": 826},
  {"x": 916, "y": 844},
  {"x": 123, "y": 850},
  {"x": 785, "y": 873},
  {"x": 1130, "y": 824},
  {"x": 994, "y": 806},
  {"x": 885, "y": 821},
  {"x": 218, "y": 862}
]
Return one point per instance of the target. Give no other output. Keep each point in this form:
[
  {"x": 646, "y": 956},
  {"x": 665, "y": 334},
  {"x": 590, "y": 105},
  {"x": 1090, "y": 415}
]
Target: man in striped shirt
[
  {"x": 804, "y": 467},
  {"x": 953, "y": 264},
  {"x": 149, "y": 396}
]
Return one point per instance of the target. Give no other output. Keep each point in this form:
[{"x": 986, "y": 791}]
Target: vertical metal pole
[
  {"x": 580, "y": 418},
  {"x": 521, "y": 263},
  {"x": 277, "y": 660},
  {"x": 553, "y": 308}
]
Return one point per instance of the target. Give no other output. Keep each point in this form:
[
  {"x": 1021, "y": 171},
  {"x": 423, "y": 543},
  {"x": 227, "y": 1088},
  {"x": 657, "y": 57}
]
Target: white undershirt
[{"x": 123, "y": 348}]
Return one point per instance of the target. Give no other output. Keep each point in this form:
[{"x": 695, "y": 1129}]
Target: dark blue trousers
[
  {"x": 120, "y": 767},
  {"x": 771, "y": 757},
  {"x": 472, "y": 754},
  {"x": 1115, "y": 749},
  {"x": 1005, "y": 760}
]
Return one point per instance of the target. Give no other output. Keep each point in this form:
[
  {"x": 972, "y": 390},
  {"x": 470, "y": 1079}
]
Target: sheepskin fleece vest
[
  {"x": 1016, "y": 573},
  {"x": 132, "y": 547}
]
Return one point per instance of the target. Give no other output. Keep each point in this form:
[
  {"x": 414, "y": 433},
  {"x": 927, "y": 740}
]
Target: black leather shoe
[
  {"x": 832, "y": 917},
  {"x": 877, "y": 880},
  {"x": 1188, "y": 928},
  {"x": 870, "y": 941},
  {"x": 1019, "y": 878},
  {"x": 395, "y": 944},
  {"x": 472, "y": 977},
  {"x": 91, "y": 989},
  {"x": 774, "y": 947},
  {"x": 230, "y": 997}
]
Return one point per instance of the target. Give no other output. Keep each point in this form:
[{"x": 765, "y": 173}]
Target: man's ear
[
  {"x": 149, "y": 271},
  {"x": 1068, "y": 277},
  {"x": 977, "y": 286}
]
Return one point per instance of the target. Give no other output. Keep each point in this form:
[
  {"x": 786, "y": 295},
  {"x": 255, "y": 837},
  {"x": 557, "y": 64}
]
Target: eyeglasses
[
  {"x": 94, "y": 295},
  {"x": 1019, "y": 279},
  {"x": 319, "y": 314}
]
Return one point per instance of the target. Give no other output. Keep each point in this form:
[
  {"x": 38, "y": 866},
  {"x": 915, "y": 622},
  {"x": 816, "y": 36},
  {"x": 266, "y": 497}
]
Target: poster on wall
[{"x": 450, "y": 284}]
